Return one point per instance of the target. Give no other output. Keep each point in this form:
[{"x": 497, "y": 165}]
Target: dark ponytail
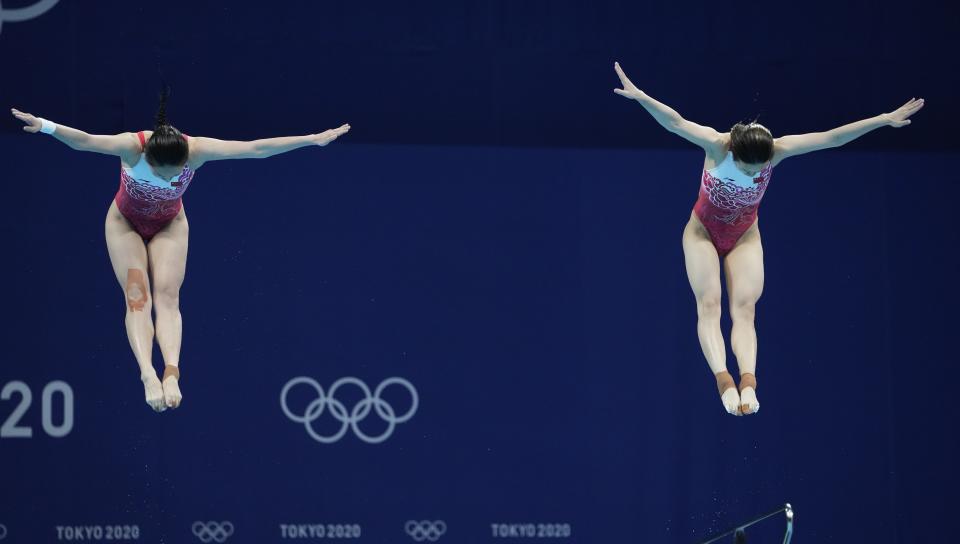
[
  {"x": 160, "y": 119},
  {"x": 751, "y": 143},
  {"x": 167, "y": 146}
]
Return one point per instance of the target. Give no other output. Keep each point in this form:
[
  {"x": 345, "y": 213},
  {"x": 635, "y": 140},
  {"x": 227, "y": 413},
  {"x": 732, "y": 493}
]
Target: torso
[
  {"x": 146, "y": 200},
  {"x": 140, "y": 183},
  {"x": 728, "y": 200},
  {"x": 728, "y": 195}
]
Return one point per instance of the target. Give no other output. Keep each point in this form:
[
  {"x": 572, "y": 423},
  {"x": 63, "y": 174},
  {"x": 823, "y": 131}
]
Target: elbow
[
  {"x": 676, "y": 124},
  {"x": 82, "y": 143},
  {"x": 836, "y": 141},
  {"x": 832, "y": 139},
  {"x": 257, "y": 151}
]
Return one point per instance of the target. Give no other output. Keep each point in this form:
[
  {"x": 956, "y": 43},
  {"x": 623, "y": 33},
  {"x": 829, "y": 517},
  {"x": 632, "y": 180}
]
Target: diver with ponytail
[
  {"x": 146, "y": 227},
  {"x": 166, "y": 145}
]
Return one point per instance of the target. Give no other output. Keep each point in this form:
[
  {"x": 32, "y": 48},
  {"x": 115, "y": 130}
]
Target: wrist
[{"x": 47, "y": 127}]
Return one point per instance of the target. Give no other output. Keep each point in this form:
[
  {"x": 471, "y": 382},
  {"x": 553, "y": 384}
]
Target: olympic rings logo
[
  {"x": 349, "y": 419},
  {"x": 27, "y": 13},
  {"x": 3, "y": 531},
  {"x": 425, "y": 530},
  {"x": 212, "y": 531}
]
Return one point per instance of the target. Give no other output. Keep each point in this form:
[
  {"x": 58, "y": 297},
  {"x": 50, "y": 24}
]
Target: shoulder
[
  {"x": 132, "y": 152},
  {"x": 724, "y": 142},
  {"x": 142, "y": 142},
  {"x": 717, "y": 152},
  {"x": 196, "y": 146},
  {"x": 782, "y": 149}
]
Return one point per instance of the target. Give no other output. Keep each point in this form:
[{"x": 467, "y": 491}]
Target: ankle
[
  {"x": 724, "y": 381},
  {"x": 171, "y": 371}
]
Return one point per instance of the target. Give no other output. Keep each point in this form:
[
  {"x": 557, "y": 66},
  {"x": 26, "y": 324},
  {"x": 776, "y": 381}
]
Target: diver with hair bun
[{"x": 723, "y": 225}]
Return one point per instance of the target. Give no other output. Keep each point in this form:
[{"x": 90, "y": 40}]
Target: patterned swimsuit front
[
  {"x": 728, "y": 202},
  {"x": 148, "y": 201}
]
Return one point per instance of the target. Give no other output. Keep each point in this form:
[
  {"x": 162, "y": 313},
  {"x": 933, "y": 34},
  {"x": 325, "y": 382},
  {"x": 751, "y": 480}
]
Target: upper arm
[
  {"x": 212, "y": 149},
  {"x": 707, "y": 138},
  {"x": 120, "y": 145},
  {"x": 798, "y": 144}
]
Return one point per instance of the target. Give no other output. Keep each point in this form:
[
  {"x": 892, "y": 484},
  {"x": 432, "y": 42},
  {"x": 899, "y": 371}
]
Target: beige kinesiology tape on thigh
[{"x": 136, "y": 289}]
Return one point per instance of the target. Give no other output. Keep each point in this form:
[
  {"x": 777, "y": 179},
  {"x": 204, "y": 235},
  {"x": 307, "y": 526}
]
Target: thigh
[
  {"x": 167, "y": 252},
  {"x": 701, "y": 260},
  {"x": 126, "y": 249},
  {"x": 744, "y": 268}
]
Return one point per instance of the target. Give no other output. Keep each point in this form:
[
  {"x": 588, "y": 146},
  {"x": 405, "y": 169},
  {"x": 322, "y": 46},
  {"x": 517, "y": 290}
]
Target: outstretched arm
[
  {"x": 707, "y": 138},
  {"x": 211, "y": 149},
  {"x": 120, "y": 145},
  {"x": 789, "y": 146}
]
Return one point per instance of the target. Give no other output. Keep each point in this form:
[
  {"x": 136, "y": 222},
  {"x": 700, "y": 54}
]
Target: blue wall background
[{"x": 527, "y": 279}]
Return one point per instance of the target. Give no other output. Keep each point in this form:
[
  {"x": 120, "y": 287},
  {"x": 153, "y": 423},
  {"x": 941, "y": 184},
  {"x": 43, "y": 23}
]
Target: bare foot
[
  {"x": 728, "y": 393},
  {"x": 748, "y": 394},
  {"x": 171, "y": 387},
  {"x": 153, "y": 391},
  {"x": 731, "y": 401}
]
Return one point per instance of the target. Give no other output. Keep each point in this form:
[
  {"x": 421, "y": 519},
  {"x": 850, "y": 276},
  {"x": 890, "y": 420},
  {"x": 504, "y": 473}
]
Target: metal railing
[{"x": 739, "y": 532}]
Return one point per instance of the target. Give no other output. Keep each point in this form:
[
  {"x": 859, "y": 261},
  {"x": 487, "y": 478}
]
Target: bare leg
[
  {"x": 168, "y": 262},
  {"x": 128, "y": 255},
  {"x": 703, "y": 271},
  {"x": 744, "y": 271}
]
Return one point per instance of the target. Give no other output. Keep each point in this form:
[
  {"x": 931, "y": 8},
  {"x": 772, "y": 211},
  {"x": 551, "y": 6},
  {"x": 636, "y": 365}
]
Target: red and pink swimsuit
[
  {"x": 728, "y": 202},
  {"x": 149, "y": 202}
]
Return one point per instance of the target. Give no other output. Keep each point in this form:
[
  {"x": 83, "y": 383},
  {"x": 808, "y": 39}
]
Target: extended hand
[
  {"x": 901, "y": 117},
  {"x": 31, "y": 122},
  {"x": 328, "y": 136},
  {"x": 629, "y": 90}
]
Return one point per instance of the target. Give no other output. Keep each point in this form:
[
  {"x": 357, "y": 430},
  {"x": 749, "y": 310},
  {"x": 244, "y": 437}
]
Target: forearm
[
  {"x": 75, "y": 138},
  {"x": 118, "y": 144},
  {"x": 662, "y": 113},
  {"x": 269, "y": 147},
  {"x": 847, "y": 133}
]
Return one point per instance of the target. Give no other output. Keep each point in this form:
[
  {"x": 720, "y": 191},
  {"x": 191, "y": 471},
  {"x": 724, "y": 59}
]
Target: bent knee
[{"x": 136, "y": 290}]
